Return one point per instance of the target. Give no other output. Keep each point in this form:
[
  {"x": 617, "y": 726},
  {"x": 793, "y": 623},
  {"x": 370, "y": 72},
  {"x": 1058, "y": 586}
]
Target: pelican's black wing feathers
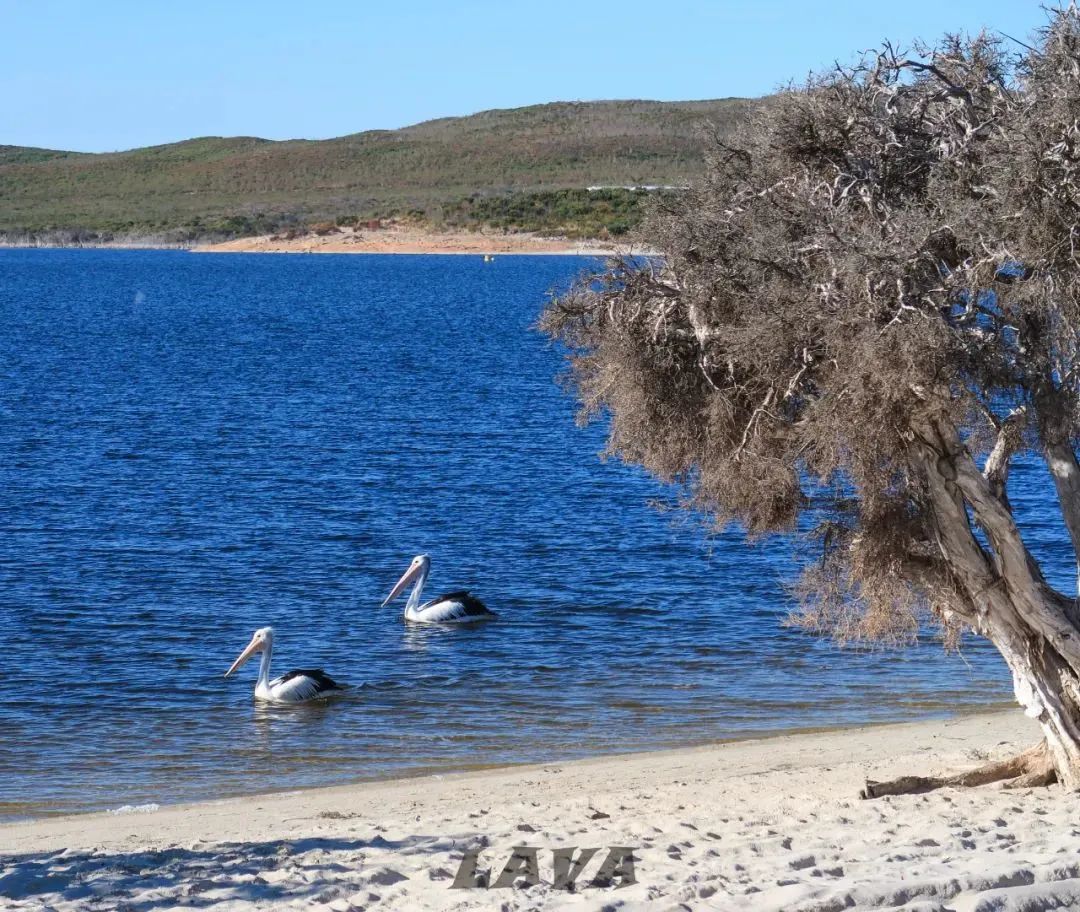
[
  {"x": 308, "y": 682},
  {"x": 472, "y": 605}
]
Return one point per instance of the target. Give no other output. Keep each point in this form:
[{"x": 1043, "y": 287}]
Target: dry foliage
[{"x": 879, "y": 271}]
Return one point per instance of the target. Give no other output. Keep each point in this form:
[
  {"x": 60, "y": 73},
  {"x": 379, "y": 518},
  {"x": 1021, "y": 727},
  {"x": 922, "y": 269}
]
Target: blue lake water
[{"x": 194, "y": 446}]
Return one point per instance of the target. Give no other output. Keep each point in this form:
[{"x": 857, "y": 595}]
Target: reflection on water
[{"x": 193, "y": 447}]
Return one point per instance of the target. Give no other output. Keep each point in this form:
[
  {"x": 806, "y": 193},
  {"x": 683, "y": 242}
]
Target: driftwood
[{"x": 1033, "y": 767}]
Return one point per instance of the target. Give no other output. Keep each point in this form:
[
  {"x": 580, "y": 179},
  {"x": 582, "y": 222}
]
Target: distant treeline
[{"x": 574, "y": 213}]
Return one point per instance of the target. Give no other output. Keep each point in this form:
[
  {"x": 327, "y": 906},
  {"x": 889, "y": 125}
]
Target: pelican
[
  {"x": 292, "y": 687},
  {"x": 451, "y": 608}
]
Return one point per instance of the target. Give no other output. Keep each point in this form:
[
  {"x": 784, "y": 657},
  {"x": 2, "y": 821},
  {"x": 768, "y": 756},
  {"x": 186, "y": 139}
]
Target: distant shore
[
  {"x": 401, "y": 239},
  {"x": 771, "y": 824},
  {"x": 391, "y": 239},
  {"x": 118, "y": 244}
]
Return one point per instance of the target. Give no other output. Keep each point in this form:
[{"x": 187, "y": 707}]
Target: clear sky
[{"x": 113, "y": 74}]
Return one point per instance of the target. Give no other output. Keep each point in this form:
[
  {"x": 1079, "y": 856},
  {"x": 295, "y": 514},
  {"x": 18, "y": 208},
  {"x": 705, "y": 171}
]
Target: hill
[{"x": 214, "y": 186}]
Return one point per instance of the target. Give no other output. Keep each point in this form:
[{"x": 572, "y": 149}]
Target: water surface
[{"x": 194, "y": 446}]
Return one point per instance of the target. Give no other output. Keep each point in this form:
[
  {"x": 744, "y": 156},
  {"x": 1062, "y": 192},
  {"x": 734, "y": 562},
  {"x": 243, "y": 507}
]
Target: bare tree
[{"x": 864, "y": 311}]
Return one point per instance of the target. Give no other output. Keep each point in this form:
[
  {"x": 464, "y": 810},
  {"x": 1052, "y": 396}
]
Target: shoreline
[
  {"x": 393, "y": 239},
  {"x": 413, "y": 242},
  {"x": 771, "y": 823},
  {"x": 410, "y": 774},
  {"x": 105, "y": 245}
]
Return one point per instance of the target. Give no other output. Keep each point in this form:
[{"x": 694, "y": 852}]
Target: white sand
[
  {"x": 761, "y": 825},
  {"x": 406, "y": 239}
]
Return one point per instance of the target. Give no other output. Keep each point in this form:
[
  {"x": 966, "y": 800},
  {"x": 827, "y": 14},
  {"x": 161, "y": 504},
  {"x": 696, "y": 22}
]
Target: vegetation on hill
[
  {"x": 496, "y": 167},
  {"x": 16, "y": 155},
  {"x": 577, "y": 213}
]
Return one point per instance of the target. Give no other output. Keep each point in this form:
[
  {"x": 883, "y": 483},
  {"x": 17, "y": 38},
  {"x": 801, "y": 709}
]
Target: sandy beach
[
  {"x": 405, "y": 239},
  {"x": 772, "y": 824},
  {"x": 393, "y": 238}
]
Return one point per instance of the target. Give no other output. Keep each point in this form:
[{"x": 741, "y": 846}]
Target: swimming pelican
[
  {"x": 293, "y": 687},
  {"x": 452, "y": 608}
]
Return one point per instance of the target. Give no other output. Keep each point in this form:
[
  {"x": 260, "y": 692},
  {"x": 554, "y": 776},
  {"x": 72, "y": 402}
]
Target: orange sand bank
[{"x": 398, "y": 239}]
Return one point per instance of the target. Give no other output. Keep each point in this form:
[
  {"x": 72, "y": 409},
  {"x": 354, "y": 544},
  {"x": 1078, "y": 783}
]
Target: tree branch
[
  {"x": 1038, "y": 603},
  {"x": 955, "y": 539},
  {"x": 938, "y": 587},
  {"x": 1065, "y": 470},
  {"x": 1009, "y": 438}
]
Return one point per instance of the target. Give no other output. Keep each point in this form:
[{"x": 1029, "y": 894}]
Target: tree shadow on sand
[{"x": 260, "y": 873}]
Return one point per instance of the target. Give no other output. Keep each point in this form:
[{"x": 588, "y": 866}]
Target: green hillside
[{"x": 245, "y": 185}]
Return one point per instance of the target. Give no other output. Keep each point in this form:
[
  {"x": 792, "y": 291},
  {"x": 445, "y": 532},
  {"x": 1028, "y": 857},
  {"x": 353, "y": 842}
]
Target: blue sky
[{"x": 115, "y": 74}]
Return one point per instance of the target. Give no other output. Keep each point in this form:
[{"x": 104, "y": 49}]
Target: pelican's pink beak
[
  {"x": 409, "y": 576},
  {"x": 253, "y": 647}
]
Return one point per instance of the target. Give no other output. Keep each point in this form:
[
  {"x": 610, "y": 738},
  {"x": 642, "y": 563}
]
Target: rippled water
[{"x": 193, "y": 446}]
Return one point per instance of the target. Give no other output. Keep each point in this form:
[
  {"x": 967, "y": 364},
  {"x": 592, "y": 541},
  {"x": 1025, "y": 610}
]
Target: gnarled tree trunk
[{"x": 1034, "y": 627}]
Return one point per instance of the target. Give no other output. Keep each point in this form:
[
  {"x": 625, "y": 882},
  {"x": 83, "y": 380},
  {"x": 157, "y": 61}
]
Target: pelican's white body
[
  {"x": 452, "y": 608},
  {"x": 441, "y": 611},
  {"x": 292, "y": 687}
]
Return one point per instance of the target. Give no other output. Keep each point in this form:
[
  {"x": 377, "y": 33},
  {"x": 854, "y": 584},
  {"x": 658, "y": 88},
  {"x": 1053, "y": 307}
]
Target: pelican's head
[
  {"x": 261, "y": 640},
  {"x": 418, "y": 567}
]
